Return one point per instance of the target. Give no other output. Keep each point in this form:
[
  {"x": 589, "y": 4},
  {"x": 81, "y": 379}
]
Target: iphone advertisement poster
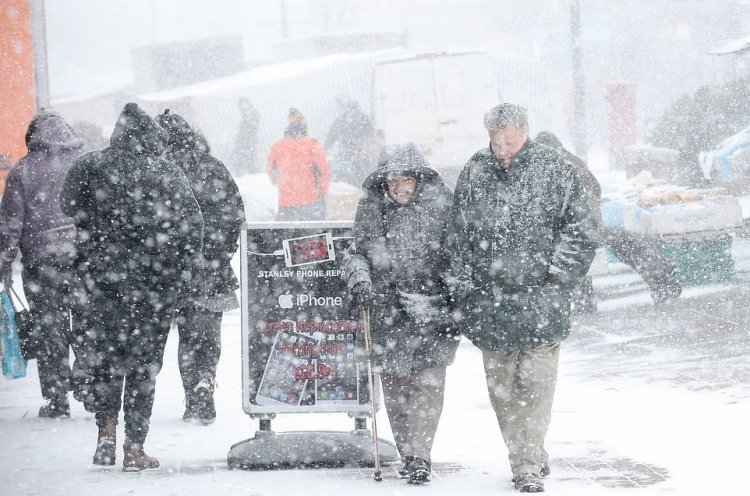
[{"x": 301, "y": 344}]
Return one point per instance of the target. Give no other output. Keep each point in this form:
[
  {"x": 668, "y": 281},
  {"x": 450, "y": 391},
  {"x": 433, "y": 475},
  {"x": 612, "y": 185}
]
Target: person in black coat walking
[
  {"x": 139, "y": 241},
  {"x": 657, "y": 270},
  {"x": 354, "y": 133},
  {"x": 32, "y": 222},
  {"x": 396, "y": 265},
  {"x": 199, "y": 318}
]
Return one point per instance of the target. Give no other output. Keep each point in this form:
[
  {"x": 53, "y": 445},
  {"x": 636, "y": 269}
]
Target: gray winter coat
[
  {"x": 399, "y": 249},
  {"x": 30, "y": 216},
  {"x": 519, "y": 241}
]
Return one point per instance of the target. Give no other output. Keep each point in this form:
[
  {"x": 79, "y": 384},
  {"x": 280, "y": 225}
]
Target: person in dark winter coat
[
  {"x": 139, "y": 240},
  {"x": 658, "y": 271},
  {"x": 245, "y": 154},
  {"x": 199, "y": 318},
  {"x": 397, "y": 266},
  {"x": 521, "y": 237},
  {"x": 355, "y": 135},
  {"x": 31, "y": 221}
]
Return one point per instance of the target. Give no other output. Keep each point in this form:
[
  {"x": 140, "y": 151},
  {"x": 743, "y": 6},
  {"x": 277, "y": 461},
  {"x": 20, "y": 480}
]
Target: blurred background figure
[
  {"x": 139, "y": 241},
  {"x": 32, "y": 222},
  {"x": 658, "y": 271},
  {"x": 298, "y": 167},
  {"x": 245, "y": 150},
  {"x": 92, "y": 135},
  {"x": 199, "y": 317},
  {"x": 354, "y": 133}
]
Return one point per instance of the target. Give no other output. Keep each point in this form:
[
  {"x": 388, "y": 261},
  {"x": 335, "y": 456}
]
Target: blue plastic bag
[{"x": 14, "y": 364}]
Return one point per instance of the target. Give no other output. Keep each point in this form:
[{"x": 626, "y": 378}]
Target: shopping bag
[
  {"x": 29, "y": 335},
  {"x": 14, "y": 364}
]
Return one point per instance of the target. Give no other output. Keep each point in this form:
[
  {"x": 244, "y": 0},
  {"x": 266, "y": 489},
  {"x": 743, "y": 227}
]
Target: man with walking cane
[
  {"x": 522, "y": 237},
  {"x": 396, "y": 267}
]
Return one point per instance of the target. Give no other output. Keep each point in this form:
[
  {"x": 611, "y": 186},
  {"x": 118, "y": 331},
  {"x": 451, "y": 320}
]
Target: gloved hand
[{"x": 362, "y": 294}]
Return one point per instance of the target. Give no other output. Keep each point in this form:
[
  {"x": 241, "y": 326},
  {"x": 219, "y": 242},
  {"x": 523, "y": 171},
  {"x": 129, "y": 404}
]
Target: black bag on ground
[{"x": 29, "y": 336}]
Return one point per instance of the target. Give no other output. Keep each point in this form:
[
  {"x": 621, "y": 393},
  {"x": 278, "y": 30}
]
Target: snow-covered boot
[
  {"x": 57, "y": 407},
  {"x": 419, "y": 471},
  {"x": 204, "y": 401},
  {"x": 529, "y": 483},
  {"x": 105, "y": 445},
  {"x": 136, "y": 459}
]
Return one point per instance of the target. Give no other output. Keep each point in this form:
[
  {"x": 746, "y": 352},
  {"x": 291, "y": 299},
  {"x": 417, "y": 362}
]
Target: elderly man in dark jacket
[
  {"x": 31, "y": 221},
  {"x": 199, "y": 318},
  {"x": 522, "y": 236},
  {"x": 397, "y": 254},
  {"x": 139, "y": 240}
]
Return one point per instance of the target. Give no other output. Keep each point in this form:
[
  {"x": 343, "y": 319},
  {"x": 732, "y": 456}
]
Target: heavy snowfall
[{"x": 653, "y": 387}]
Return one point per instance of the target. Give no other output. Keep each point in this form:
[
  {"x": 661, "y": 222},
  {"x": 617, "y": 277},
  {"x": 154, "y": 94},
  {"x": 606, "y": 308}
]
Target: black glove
[{"x": 362, "y": 294}]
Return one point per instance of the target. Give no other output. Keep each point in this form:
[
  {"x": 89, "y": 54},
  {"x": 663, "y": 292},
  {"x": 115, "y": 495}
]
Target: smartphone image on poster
[
  {"x": 288, "y": 369},
  {"x": 308, "y": 250},
  {"x": 337, "y": 371}
]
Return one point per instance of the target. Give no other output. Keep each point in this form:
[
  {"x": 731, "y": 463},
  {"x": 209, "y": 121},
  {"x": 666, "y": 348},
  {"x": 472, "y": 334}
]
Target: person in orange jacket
[{"x": 298, "y": 167}]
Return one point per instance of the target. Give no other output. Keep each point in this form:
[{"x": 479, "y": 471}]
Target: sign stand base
[{"x": 271, "y": 450}]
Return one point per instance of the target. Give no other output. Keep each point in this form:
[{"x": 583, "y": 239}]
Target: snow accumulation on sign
[{"x": 300, "y": 334}]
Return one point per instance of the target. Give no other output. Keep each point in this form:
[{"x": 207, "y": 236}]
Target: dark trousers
[
  {"x": 200, "y": 345},
  {"x": 652, "y": 266},
  {"x": 49, "y": 287},
  {"x": 129, "y": 332}
]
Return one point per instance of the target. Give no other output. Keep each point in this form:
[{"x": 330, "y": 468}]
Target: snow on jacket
[
  {"x": 519, "y": 241},
  {"x": 399, "y": 249},
  {"x": 30, "y": 216},
  {"x": 139, "y": 227},
  {"x": 218, "y": 197},
  {"x": 297, "y": 165}
]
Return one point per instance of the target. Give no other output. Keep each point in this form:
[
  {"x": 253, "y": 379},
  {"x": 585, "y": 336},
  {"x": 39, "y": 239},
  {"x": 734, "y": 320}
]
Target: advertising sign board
[{"x": 300, "y": 344}]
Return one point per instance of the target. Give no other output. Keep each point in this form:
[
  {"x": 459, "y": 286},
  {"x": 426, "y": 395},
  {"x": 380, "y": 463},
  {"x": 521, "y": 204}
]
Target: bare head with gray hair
[{"x": 505, "y": 114}]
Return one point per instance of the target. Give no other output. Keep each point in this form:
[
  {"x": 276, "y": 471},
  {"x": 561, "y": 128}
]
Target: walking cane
[{"x": 371, "y": 385}]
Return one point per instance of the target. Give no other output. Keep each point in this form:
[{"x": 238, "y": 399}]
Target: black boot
[
  {"x": 419, "y": 471},
  {"x": 404, "y": 471},
  {"x": 204, "y": 401}
]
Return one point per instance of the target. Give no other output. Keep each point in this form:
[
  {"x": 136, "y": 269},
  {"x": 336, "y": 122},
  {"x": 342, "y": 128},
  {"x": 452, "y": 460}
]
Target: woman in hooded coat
[
  {"x": 396, "y": 266},
  {"x": 31, "y": 221}
]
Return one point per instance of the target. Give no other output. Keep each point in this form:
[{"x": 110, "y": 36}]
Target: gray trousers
[
  {"x": 521, "y": 385},
  {"x": 414, "y": 405}
]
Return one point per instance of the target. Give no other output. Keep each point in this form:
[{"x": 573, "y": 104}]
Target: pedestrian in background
[
  {"x": 298, "y": 167},
  {"x": 32, "y": 222},
  {"x": 199, "y": 317},
  {"x": 521, "y": 238},
  {"x": 354, "y": 135},
  {"x": 397, "y": 266},
  {"x": 658, "y": 271},
  {"x": 139, "y": 241},
  {"x": 245, "y": 153}
]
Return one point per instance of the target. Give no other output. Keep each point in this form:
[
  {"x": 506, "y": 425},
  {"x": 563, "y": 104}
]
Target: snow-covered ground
[{"x": 654, "y": 398}]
